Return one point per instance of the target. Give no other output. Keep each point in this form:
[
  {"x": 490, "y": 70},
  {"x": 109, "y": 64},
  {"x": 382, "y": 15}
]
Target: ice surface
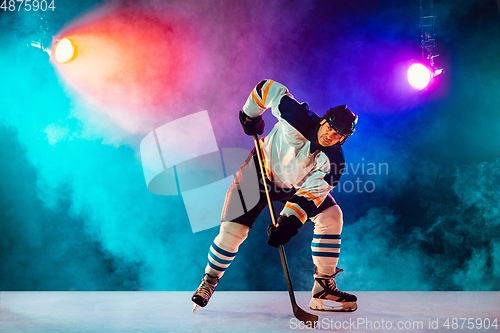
[{"x": 237, "y": 312}]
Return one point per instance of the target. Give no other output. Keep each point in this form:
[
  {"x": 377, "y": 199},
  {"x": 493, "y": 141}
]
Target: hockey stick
[{"x": 307, "y": 318}]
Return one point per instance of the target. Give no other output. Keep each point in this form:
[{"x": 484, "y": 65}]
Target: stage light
[
  {"x": 42, "y": 39},
  {"x": 40, "y": 46},
  {"x": 65, "y": 50},
  {"x": 422, "y": 73},
  {"x": 419, "y": 76}
]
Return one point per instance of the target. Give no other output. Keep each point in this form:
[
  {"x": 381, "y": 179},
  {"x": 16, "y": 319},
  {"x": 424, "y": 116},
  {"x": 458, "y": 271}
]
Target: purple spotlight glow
[{"x": 419, "y": 76}]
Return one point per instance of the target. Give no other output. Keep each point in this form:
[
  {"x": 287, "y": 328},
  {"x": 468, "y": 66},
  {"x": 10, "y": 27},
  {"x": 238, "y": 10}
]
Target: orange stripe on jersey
[
  {"x": 317, "y": 200},
  {"x": 296, "y": 210},
  {"x": 256, "y": 99},
  {"x": 266, "y": 91},
  {"x": 268, "y": 172}
]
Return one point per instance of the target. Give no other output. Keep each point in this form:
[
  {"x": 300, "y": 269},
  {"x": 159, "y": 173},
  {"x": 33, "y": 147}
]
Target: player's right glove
[
  {"x": 288, "y": 226},
  {"x": 254, "y": 126}
]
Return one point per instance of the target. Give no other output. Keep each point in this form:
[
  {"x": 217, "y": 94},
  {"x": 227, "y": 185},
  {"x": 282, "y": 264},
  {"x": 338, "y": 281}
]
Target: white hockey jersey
[{"x": 292, "y": 157}]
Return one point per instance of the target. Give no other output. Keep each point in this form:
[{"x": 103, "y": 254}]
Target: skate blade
[
  {"x": 328, "y": 305},
  {"x": 195, "y": 307}
]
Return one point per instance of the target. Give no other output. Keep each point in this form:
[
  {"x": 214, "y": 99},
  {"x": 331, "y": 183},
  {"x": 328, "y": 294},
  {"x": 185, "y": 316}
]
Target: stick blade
[{"x": 309, "y": 319}]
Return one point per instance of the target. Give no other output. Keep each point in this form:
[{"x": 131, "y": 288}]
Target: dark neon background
[{"x": 75, "y": 213}]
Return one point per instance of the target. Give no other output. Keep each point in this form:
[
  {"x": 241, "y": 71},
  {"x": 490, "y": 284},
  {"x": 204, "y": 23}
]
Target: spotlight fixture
[
  {"x": 65, "y": 50},
  {"x": 422, "y": 73},
  {"x": 42, "y": 39},
  {"x": 40, "y": 45}
]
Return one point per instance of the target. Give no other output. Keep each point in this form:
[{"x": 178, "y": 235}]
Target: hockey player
[{"x": 304, "y": 160}]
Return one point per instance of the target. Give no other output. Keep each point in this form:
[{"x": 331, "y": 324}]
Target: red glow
[{"x": 131, "y": 58}]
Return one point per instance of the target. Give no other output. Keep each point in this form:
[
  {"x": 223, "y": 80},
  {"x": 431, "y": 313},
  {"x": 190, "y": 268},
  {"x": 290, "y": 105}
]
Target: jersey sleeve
[
  {"x": 337, "y": 165},
  {"x": 266, "y": 94}
]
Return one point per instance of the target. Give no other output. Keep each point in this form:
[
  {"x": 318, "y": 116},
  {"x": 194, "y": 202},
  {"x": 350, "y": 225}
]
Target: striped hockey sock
[
  {"x": 218, "y": 260},
  {"x": 325, "y": 252},
  {"x": 224, "y": 248}
]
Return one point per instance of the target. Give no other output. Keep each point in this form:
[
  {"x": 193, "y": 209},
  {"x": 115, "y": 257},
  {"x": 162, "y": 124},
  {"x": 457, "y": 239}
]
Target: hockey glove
[
  {"x": 288, "y": 226},
  {"x": 254, "y": 126}
]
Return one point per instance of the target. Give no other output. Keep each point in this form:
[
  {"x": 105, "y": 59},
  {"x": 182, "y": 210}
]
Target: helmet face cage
[{"x": 342, "y": 120}]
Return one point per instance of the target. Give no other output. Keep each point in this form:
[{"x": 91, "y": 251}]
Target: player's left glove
[
  {"x": 254, "y": 126},
  {"x": 288, "y": 226}
]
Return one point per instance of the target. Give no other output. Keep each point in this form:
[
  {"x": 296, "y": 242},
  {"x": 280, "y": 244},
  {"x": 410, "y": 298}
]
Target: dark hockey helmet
[{"x": 342, "y": 120}]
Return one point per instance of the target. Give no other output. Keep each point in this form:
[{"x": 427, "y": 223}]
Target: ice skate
[
  {"x": 327, "y": 297},
  {"x": 202, "y": 295}
]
